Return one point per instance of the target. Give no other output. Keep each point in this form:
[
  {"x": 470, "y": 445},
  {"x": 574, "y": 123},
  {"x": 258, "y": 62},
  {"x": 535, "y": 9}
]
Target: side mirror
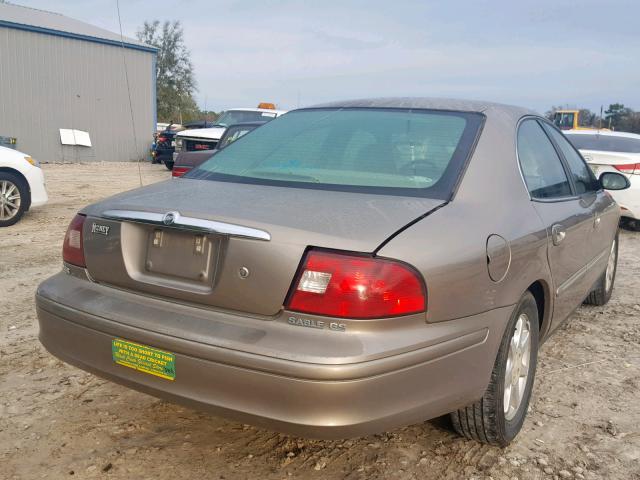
[{"x": 614, "y": 181}]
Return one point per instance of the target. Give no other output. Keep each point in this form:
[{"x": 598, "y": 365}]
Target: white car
[
  {"x": 607, "y": 151},
  {"x": 21, "y": 185},
  {"x": 207, "y": 138}
]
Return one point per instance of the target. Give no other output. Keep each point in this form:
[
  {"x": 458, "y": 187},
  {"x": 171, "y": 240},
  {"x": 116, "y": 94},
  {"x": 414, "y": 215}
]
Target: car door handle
[
  {"x": 558, "y": 233},
  {"x": 596, "y": 222}
]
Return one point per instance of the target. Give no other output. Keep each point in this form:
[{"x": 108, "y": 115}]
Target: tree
[
  {"x": 617, "y": 117},
  {"x": 174, "y": 72},
  {"x": 586, "y": 118},
  {"x": 209, "y": 115},
  {"x": 550, "y": 113},
  {"x": 630, "y": 122},
  {"x": 615, "y": 114}
]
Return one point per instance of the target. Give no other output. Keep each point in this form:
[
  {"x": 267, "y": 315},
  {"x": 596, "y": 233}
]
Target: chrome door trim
[
  {"x": 177, "y": 221},
  {"x": 580, "y": 273}
]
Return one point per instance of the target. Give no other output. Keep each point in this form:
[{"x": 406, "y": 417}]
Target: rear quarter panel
[{"x": 449, "y": 246}]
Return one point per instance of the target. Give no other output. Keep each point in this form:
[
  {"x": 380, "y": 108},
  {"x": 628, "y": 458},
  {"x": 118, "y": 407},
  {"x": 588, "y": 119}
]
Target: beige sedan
[{"x": 344, "y": 269}]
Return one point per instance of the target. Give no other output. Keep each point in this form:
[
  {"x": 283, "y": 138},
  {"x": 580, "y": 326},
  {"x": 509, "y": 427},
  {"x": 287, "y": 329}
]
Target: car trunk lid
[
  {"x": 231, "y": 246},
  {"x": 628, "y": 163}
]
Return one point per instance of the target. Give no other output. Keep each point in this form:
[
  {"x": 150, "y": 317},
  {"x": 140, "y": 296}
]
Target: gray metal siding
[{"x": 49, "y": 82}]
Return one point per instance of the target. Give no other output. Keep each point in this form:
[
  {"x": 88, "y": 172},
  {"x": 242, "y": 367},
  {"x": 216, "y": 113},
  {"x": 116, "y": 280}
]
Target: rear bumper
[{"x": 333, "y": 398}]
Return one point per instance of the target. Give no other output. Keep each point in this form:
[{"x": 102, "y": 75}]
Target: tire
[
  {"x": 486, "y": 420},
  {"x": 14, "y": 198},
  {"x": 601, "y": 293},
  {"x": 168, "y": 164},
  {"x": 631, "y": 224}
]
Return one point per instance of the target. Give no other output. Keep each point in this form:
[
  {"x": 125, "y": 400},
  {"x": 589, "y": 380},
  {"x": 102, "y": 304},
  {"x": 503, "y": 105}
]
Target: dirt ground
[{"x": 57, "y": 421}]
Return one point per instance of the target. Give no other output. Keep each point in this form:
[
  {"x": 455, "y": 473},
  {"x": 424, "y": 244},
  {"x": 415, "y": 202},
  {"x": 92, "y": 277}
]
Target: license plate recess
[{"x": 179, "y": 254}]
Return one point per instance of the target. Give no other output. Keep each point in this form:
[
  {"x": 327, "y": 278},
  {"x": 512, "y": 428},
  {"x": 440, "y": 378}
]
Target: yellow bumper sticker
[{"x": 144, "y": 359}]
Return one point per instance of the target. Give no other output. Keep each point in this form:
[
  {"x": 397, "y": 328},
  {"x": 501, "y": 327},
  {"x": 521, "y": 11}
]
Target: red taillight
[
  {"x": 162, "y": 139},
  {"x": 72, "y": 248},
  {"x": 352, "y": 286},
  {"x": 179, "y": 171},
  {"x": 628, "y": 168}
]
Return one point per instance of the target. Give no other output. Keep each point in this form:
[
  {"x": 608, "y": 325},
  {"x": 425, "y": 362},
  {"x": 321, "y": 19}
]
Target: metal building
[{"x": 59, "y": 73}]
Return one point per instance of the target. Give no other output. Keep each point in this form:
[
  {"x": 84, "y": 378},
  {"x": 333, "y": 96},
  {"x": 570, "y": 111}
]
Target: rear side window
[
  {"x": 583, "y": 178},
  {"x": 541, "y": 167},
  {"x": 388, "y": 151}
]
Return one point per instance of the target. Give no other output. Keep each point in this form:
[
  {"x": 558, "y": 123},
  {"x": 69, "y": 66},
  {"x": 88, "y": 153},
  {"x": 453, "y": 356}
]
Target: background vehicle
[
  {"x": 196, "y": 140},
  {"x": 380, "y": 261},
  {"x": 21, "y": 185},
  {"x": 245, "y": 115},
  {"x": 191, "y": 158},
  {"x": 198, "y": 124},
  {"x": 208, "y": 138},
  {"x": 607, "y": 151},
  {"x": 164, "y": 144},
  {"x": 567, "y": 119}
]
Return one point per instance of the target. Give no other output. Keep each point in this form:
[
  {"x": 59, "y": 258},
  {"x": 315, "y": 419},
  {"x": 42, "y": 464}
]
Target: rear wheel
[
  {"x": 601, "y": 293},
  {"x": 498, "y": 416},
  {"x": 168, "y": 164},
  {"x": 14, "y": 198}
]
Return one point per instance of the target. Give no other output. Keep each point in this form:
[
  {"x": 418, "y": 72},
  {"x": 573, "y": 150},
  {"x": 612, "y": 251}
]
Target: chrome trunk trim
[{"x": 177, "y": 221}]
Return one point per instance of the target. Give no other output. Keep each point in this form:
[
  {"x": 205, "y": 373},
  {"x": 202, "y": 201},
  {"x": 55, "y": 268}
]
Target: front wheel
[
  {"x": 498, "y": 416},
  {"x": 632, "y": 224},
  {"x": 14, "y": 198}
]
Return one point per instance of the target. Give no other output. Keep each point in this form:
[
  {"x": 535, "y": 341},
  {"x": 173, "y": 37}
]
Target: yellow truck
[{"x": 567, "y": 119}]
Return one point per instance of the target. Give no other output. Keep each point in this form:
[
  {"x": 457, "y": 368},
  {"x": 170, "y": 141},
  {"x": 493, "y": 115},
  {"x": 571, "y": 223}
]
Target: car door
[
  {"x": 593, "y": 198},
  {"x": 568, "y": 220}
]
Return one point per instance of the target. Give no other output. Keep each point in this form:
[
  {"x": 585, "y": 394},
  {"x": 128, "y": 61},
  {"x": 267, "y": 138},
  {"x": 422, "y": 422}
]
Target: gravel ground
[{"x": 57, "y": 421}]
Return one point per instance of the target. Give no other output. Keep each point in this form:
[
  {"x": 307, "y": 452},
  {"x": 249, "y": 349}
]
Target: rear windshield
[
  {"x": 388, "y": 151},
  {"x": 604, "y": 143}
]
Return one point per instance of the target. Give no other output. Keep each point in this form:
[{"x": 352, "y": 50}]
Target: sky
[{"x": 534, "y": 54}]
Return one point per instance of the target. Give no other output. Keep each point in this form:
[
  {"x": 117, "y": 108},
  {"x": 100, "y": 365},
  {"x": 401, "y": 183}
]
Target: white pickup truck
[{"x": 207, "y": 138}]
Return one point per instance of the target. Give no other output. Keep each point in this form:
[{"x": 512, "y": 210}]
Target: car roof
[
  {"x": 431, "y": 103},
  {"x": 608, "y": 133}
]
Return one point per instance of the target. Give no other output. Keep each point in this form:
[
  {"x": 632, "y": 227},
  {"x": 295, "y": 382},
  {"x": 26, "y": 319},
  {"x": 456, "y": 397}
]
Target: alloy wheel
[
  {"x": 517, "y": 367},
  {"x": 611, "y": 268},
  {"x": 10, "y": 200}
]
